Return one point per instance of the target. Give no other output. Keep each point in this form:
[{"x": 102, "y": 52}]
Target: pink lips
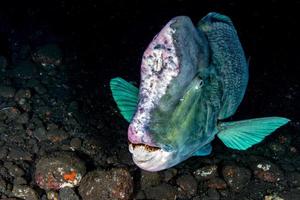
[{"x": 139, "y": 137}]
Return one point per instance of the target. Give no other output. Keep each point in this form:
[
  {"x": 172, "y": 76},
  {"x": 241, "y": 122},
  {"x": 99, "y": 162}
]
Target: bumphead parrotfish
[{"x": 192, "y": 78}]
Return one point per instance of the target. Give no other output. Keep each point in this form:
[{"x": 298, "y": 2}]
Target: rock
[
  {"x": 216, "y": 183},
  {"x": 25, "y": 70},
  {"x": 213, "y": 194},
  {"x": 2, "y": 186},
  {"x": 293, "y": 179},
  {"x": 59, "y": 170},
  {"x": 267, "y": 171},
  {"x": 40, "y": 133},
  {"x": 75, "y": 143},
  {"x": 48, "y": 55},
  {"x": 20, "y": 181},
  {"x": 57, "y": 135},
  {"x": 67, "y": 194},
  {"x": 24, "y": 192},
  {"x": 149, "y": 179},
  {"x": 52, "y": 195},
  {"x": 161, "y": 192},
  {"x": 206, "y": 172},
  {"x": 23, "y": 118},
  {"x": 10, "y": 113},
  {"x": 22, "y": 94},
  {"x": 236, "y": 177},
  {"x": 94, "y": 185},
  {"x": 7, "y": 92},
  {"x": 13, "y": 169},
  {"x": 3, "y": 64},
  {"x": 140, "y": 195},
  {"x": 169, "y": 174},
  {"x": 188, "y": 184},
  {"x": 272, "y": 197},
  {"x": 18, "y": 154},
  {"x": 40, "y": 89},
  {"x": 293, "y": 194}
]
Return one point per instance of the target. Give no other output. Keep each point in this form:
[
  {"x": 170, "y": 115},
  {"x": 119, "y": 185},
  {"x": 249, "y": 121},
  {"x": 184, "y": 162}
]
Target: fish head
[{"x": 164, "y": 129}]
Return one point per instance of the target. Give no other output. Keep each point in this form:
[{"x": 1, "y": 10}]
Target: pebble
[
  {"x": 59, "y": 170},
  {"x": 13, "y": 169},
  {"x": 2, "y": 185},
  {"x": 169, "y": 174},
  {"x": 161, "y": 192},
  {"x": 40, "y": 89},
  {"x": 7, "y": 92},
  {"x": 57, "y": 135},
  {"x": 23, "y": 118},
  {"x": 293, "y": 179},
  {"x": 48, "y": 55},
  {"x": 3, "y": 63},
  {"x": 67, "y": 194},
  {"x": 188, "y": 184},
  {"x": 24, "y": 192},
  {"x": 52, "y": 195},
  {"x": 94, "y": 185},
  {"x": 18, "y": 154},
  {"x": 40, "y": 133},
  {"x": 25, "y": 70},
  {"x": 206, "y": 172},
  {"x": 216, "y": 183},
  {"x": 22, "y": 94},
  {"x": 20, "y": 181},
  {"x": 149, "y": 179},
  {"x": 267, "y": 171},
  {"x": 75, "y": 143},
  {"x": 236, "y": 177},
  {"x": 272, "y": 197}
]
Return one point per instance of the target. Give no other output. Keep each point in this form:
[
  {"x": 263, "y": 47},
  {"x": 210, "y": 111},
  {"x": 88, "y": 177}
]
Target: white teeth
[{"x": 140, "y": 153}]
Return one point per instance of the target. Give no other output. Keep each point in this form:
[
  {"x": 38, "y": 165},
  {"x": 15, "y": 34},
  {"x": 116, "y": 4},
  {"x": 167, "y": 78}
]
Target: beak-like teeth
[{"x": 145, "y": 146}]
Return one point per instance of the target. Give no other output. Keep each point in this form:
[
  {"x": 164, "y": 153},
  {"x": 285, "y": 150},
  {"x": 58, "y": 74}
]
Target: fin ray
[
  {"x": 243, "y": 134},
  {"x": 125, "y": 95}
]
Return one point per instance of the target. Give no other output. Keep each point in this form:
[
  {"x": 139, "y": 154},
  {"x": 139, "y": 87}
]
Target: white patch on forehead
[{"x": 159, "y": 66}]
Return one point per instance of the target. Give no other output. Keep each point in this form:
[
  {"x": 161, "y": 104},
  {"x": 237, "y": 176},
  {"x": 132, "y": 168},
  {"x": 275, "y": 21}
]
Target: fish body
[{"x": 191, "y": 78}]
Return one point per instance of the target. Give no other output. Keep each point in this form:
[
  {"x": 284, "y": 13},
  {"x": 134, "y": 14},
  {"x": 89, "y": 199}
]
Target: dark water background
[{"x": 109, "y": 37}]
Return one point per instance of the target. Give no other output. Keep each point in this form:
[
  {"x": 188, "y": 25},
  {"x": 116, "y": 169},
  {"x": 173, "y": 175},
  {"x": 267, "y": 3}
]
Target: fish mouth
[{"x": 143, "y": 152}]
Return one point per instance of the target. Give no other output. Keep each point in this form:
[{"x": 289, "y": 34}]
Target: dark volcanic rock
[
  {"x": 216, "y": 183},
  {"x": 206, "y": 172},
  {"x": 59, "y": 170},
  {"x": 67, "y": 194},
  {"x": 161, "y": 192},
  {"x": 236, "y": 177},
  {"x": 188, "y": 184},
  {"x": 293, "y": 179},
  {"x": 107, "y": 185},
  {"x": 7, "y": 92},
  {"x": 24, "y": 192},
  {"x": 149, "y": 179},
  {"x": 267, "y": 171},
  {"x": 49, "y": 54}
]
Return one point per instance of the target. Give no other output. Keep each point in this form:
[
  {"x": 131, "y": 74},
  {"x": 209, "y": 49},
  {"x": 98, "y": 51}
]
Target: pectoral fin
[
  {"x": 204, "y": 151},
  {"x": 243, "y": 134},
  {"x": 125, "y": 95}
]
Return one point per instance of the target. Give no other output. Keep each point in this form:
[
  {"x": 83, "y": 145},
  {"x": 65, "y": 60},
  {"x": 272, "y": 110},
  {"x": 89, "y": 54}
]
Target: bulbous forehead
[
  {"x": 169, "y": 64},
  {"x": 159, "y": 66}
]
